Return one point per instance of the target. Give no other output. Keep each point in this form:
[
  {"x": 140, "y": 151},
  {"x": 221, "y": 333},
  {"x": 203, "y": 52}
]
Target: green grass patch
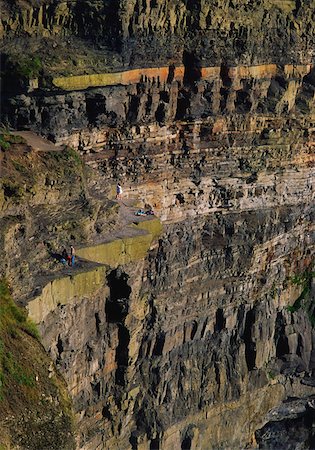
[
  {"x": 7, "y": 139},
  {"x": 20, "y": 168},
  {"x": 4, "y": 143},
  {"x": 12, "y": 190},
  {"x": 68, "y": 154},
  {"x": 13, "y": 322},
  {"x": 25, "y": 67}
]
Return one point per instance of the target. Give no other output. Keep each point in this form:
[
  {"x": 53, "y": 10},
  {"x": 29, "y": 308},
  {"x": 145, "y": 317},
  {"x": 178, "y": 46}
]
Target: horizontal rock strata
[{"x": 204, "y": 111}]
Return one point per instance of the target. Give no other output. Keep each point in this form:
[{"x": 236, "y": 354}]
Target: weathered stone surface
[
  {"x": 136, "y": 33},
  {"x": 193, "y": 336}
]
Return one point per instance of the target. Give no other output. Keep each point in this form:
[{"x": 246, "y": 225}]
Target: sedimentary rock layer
[
  {"x": 138, "y": 33},
  {"x": 201, "y": 117}
]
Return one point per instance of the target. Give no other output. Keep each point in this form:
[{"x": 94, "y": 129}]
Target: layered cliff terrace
[
  {"x": 172, "y": 73},
  {"x": 167, "y": 74},
  {"x": 92, "y": 267},
  {"x": 127, "y": 237}
]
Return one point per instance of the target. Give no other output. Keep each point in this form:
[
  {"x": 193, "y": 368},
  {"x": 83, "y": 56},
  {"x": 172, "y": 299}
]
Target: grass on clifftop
[
  {"x": 35, "y": 411},
  {"x": 13, "y": 322}
]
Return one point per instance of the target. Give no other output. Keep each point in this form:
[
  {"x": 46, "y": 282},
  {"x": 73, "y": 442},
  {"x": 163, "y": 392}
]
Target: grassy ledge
[{"x": 34, "y": 405}]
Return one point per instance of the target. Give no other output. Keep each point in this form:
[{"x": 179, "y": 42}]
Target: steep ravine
[{"x": 194, "y": 329}]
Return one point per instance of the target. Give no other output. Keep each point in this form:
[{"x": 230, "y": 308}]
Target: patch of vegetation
[
  {"x": 28, "y": 416},
  {"x": 68, "y": 154},
  {"x": 4, "y": 143},
  {"x": 13, "y": 322},
  {"x": 25, "y": 67},
  {"x": 12, "y": 190},
  {"x": 20, "y": 167},
  {"x": 304, "y": 300},
  {"x": 7, "y": 139}
]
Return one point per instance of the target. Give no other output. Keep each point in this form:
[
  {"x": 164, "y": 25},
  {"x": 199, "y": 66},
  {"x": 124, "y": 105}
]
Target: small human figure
[
  {"x": 72, "y": 254},
  {"x": 119, "y": 192}
]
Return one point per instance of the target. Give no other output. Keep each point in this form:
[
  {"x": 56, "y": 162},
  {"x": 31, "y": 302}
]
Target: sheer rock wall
[
  {"x": 137, "y": 33},
  {"x": 192, "y": 345}
]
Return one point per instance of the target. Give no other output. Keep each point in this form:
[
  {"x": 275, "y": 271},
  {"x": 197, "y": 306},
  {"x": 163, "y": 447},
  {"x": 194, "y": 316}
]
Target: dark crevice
[
  {"x": 155, "y": 444},
  {"x": 159, "y": 344},
  {"x": 106, "y": 413},
  {"x": 117, "y": 305},
  {"x": 192, "y": 65},
  {"x": 160, "y": 113},
  {"x": 97, "y": 322},
  {"x": 133, "y": 440},
  {"x": 96, "y": 390},
  {"x": 122, "y": 355},
  {"x": 250, "y": 346},
  {"x": 220, "y": 320},
  {"x": 171, "y": 74},
  {"x": 186, "y": 443},
  {"x": 116, "y": 309},
  {"x": 183, "y": 104},
  {"x": 59, "y": 348},
  {"x": 187, "y": 438},
  {"x": 133, "y": 109},
  {"x": 194, "y": 330},
  {"x": 224, "y": 75},
  {"x": 281, "y": 340},
  {"x": 95, "y": 106}
]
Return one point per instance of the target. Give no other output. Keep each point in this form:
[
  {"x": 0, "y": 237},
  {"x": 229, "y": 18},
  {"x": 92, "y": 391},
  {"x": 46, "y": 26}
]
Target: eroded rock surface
[{"x": 191, "y": 343}]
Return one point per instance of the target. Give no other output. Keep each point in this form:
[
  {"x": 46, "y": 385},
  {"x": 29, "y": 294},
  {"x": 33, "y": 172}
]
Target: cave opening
[
  {"x": 155, "y": 444},
  {"x": 117, "y": 305},
  {"x": 186, "y": 443},
  {"x": 187, "y": 438},
  {"x": 95, "y": 106}
]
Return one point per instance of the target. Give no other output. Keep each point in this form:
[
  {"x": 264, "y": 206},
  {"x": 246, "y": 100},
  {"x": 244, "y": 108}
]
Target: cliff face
[
  {"x": 137, "y": 33},
  {"x": 186, "y": 336}
]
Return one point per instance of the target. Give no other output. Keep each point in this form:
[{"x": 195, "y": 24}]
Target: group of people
[{"x": 68, "y": 258}]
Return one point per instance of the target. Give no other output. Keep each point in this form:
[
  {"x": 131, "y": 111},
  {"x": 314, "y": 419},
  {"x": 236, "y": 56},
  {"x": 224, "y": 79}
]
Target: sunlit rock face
[{"x": 205, "y": 112}]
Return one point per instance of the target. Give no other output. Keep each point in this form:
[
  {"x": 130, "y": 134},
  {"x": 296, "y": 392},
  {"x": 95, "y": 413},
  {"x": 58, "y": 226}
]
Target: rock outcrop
[{"x": 184, "y": 336}]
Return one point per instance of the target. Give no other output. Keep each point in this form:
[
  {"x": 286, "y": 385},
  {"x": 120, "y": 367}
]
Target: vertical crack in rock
[
  {"x": 250, "y": 346},
  {"x": 117, "y": 307},
  {"x": 192, "y": 66},
  {"x": 282, "y": 346}
]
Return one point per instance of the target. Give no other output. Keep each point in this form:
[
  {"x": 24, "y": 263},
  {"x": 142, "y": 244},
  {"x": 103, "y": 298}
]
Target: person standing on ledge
[
  {"x": 72, "y": 254},
  {"x": 119, "y": 192}
]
